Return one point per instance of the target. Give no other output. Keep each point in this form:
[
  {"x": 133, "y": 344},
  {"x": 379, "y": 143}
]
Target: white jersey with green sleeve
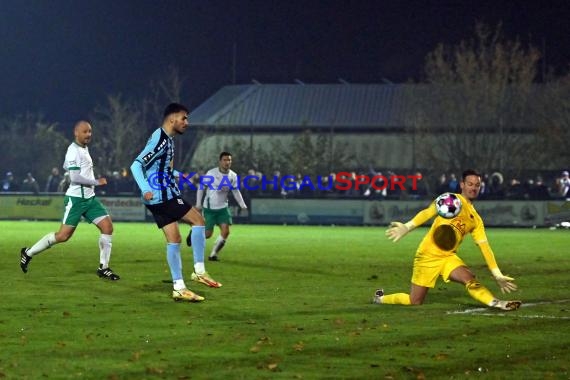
[
  {"x": 217, "y": 186},
  {"x": 78, "y": 160}
]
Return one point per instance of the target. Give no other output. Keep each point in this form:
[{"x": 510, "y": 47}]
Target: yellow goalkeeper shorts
[{"x": 427, "y": 268}]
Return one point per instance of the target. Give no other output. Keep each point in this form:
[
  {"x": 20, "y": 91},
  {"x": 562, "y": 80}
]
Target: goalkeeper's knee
[{"x": 473, "y": 285}]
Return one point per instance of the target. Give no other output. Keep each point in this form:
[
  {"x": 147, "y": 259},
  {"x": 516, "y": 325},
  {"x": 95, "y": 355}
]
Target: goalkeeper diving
[{"x": 437, "y": 253}]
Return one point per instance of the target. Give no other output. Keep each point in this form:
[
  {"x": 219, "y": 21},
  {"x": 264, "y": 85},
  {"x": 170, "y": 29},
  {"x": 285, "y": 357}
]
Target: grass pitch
[{"x": 295, "y": 305}]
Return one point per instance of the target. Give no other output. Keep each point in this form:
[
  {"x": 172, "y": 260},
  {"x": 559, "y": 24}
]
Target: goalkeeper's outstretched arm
[
  {"x": 398, "y": 230},
  {"x": 505, "y": 282}
]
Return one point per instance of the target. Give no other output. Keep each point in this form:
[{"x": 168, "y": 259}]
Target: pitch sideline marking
[{"x": 479, "y": 310}]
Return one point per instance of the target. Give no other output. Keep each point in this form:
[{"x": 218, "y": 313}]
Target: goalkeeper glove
[
  {"x": 504, "y": 281},
  {"x": 398, "y": 230}
]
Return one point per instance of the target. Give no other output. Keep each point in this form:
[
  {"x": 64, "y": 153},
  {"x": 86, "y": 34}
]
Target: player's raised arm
[{"x": 398, "y": 230}]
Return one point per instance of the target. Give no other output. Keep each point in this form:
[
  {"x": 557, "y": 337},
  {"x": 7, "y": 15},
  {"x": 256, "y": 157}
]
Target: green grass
[{"x": 295, "y": 305}]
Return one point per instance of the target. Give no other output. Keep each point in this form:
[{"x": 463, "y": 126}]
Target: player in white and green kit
[
  {"x": 216, "y": 184},
  {"x": 79, "y": 201}
]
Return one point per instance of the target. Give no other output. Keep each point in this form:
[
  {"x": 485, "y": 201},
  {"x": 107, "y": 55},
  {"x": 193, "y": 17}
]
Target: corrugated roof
[
  {"x": 315, "y": 105},
  {"x": 351, "y": 106}
]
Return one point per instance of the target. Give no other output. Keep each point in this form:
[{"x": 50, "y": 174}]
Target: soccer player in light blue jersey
[{"x": 154, "y": 173}]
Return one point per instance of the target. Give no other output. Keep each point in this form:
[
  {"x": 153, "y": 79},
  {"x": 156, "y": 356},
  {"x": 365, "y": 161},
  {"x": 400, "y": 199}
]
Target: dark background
[{"x": 63, "y": 57}]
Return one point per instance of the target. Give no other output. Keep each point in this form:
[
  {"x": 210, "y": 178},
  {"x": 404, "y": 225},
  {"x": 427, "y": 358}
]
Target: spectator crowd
[
  {"x": 118, "y": 183},
  {"x": 350, "y": 185}
]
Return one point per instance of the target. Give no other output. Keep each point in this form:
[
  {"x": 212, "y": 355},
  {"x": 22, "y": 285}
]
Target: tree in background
[
  {"x": 553, "y": 110},
  {"x": 121, "y": 126},
  {"x": 45, "y": 147},
  {"x": 306, "y": 152},
  {"x": 117, "y": 134},
  {"x": 483, "y": 87},
  {"x": 50, "y": 146}
]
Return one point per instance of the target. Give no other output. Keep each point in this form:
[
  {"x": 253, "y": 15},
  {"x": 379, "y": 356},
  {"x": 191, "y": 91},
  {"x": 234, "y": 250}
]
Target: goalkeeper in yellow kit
[{"x": 437, "y": 253}]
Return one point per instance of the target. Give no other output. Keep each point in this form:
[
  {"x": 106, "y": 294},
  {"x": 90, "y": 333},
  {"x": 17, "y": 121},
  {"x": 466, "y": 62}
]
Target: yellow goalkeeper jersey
[{"x": 446, "y": 235}]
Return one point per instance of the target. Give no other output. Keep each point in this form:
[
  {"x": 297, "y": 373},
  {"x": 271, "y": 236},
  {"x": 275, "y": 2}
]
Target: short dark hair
[
  {"x": 223, "y": 154},
  {"x": 469, "y": 172},
  {"x": 174, "y": 108}
]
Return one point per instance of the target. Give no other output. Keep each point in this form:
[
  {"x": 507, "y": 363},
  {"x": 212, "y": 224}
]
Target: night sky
[{"x": 63, "y": 57}]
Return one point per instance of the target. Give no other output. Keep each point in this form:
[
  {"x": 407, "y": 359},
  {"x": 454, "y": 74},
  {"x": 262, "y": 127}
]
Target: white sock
[
  {"x": 179, "y": 284},
  {"x": 218, "y": 245},
  {"x": 105, "y": 245},
  {"x": 199, "y": 268},
  {"x": 42, "y": 244}
]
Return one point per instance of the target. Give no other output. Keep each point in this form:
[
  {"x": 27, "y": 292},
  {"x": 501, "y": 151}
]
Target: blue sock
[
  {"x": 198, "y": 243},
  {"x": 174, "y": 261}
]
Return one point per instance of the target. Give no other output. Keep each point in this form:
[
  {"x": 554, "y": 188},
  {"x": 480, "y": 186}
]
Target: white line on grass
[
  {"x": 521, "y": 316},
  {"x": 481, "y": 310}
]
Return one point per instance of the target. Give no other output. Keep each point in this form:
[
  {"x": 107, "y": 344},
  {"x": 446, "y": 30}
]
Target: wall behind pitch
[
  {"x": 365, "y": 212},
  {"x": 303, "y": 211},
  {"x": 51, "y": 207},
  {"x": 41, "y": 207}
]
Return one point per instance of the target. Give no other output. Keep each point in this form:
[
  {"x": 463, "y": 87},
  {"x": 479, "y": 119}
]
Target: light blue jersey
[{"x": 152, "y": 169}]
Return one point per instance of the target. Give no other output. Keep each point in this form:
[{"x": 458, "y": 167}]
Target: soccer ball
[{"x": 448, "y": 205}]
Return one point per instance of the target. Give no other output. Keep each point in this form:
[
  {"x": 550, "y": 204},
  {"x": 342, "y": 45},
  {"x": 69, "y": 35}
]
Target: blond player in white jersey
[
  {"x": 216, "y": 186},
  {"x": 79, "y": 201}
]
